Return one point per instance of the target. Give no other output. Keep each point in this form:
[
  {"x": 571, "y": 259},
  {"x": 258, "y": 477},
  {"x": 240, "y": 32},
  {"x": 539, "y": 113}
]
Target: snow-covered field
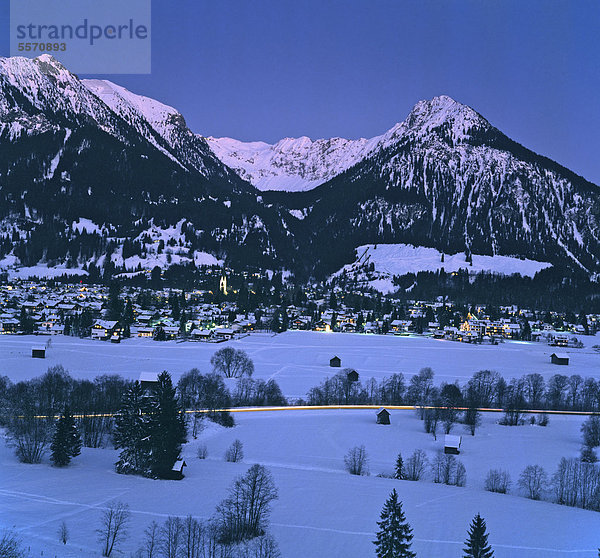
[
  {"x": 11, "y": 264},
  {"x": 400, "y": 259},
  {"x": 297, "y": 360},
  {"x": 322, "y": 511}
]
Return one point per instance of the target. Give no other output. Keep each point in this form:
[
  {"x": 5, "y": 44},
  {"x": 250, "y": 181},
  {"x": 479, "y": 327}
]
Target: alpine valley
[{"x": 96, "y": 178}]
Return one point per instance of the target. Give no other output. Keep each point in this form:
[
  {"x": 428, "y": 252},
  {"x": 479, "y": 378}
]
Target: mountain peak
[
  {"x": 444, "y": 111},
  {"x": 49, "y": 59}
]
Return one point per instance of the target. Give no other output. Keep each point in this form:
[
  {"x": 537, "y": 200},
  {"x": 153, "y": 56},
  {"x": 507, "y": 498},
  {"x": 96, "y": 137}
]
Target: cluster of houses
[
  {"x": 46, "y": 308},
  {"x": 50, "y": 309}
]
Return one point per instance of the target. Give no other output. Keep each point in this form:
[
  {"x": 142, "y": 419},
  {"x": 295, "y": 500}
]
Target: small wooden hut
[{"x": 383, "y": 416}]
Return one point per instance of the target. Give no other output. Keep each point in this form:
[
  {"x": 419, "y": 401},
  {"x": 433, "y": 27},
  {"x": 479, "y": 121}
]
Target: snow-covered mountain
[
  {"x": 446, "y": 178},
  {"x": 152, "y": 118},
  {"x": 74, "y": 151},
  {"x": 300, "y": 164},
  {"x": 291, "y": 164}
]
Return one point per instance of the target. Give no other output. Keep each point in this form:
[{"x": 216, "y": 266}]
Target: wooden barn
[
  {"x": 559, "y": 358},
  {"x": 383, "y": 416},
  {"x": 452, "y": 444},
  {"x": 148, "y": 380},
  {"x": 352, "y": 376},
  {"x": 177, "y": 470},
  {"x": 38, "y": 352},
  {"x": 335, "y": 362}
]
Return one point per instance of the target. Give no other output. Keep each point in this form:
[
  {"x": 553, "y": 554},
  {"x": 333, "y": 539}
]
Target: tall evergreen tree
[
  {"x": 114, "y": 307},
  {"x": 66, "y": 441},
  {"x": 399, "y": 470},
  {"x": 395, "y": 535},
  {"x": 128, "y": 314},
  {"x": 132, "y": 432},
  {"x": 168, "y": 431},
  {"x": 477, "y": 542},
  {"x": 26, "y": 323}
]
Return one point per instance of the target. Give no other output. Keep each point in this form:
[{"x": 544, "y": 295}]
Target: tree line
[
  {"x": 485, "y": 389},
  {"x": 100, "y": 409}
]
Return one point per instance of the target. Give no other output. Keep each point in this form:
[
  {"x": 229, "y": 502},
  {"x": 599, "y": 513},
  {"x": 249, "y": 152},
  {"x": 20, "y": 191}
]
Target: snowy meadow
[
  {"x": 322, "y": 510},
  {"x": 297, "y": 360}
]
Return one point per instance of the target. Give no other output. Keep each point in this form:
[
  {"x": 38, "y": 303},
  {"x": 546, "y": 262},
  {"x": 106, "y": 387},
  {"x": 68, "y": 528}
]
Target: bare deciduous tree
[
  {"x": 244, "y": 513},
  {"x": 10, "y": 546},
  {"x": 447, "y": 469},
  {"x": 232, "y": 363},
  {"x": 535, "y": 387},
  {"x": 577, "y": 484},
  {"x": 431, "y": 419},
  {"x": 30, "y": 436},
  {"x": 497, "y": 480},
  {"x": 260, "y": 547},
  {"x": 170, "y": 538},
  {"x": 202, "y": 451},
  {"x": 192, "y": 544},
  {"x": 150, "y": 545},
  {"x": 532, "y": 481},
  {"x": 460, "y": 475},
  {"x": 63, "y": 533},
  {"x": 113, "y": 527},
  {"x": 357, "y": 461},
  {"x": 591, "y": 431},
  {"x": 95, "y": 431},
  {"x": 235, "y": 452},
  {"x": 442, "y": 468},
  {"x": 416, "y": 465}
]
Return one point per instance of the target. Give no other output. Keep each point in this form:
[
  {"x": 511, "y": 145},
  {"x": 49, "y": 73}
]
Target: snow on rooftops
[
  {"x": 148, "y": 377},
  {"x": 452, "y": 441}
]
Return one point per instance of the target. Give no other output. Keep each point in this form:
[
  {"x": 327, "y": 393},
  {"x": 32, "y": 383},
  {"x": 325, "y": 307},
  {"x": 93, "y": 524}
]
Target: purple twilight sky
[{"x": 270, "y": 69}]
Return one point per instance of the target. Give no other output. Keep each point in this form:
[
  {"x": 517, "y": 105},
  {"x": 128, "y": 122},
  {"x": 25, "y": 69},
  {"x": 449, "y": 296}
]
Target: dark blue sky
[{"x": 269, "y": 69}]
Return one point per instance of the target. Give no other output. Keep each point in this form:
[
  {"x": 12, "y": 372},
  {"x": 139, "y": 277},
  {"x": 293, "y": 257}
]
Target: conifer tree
[
  {"x": 128, "y": 315},
  {"x": 115, "y": 304},
  {"x": 132, "y": 432},
  {"x": 66, "y": 442},
  {"x": 399, "y": 472},
  {"x": 168, "y": 431},
  {"x": 395, "y": 535},
  {"x": 477, "y": 542}
]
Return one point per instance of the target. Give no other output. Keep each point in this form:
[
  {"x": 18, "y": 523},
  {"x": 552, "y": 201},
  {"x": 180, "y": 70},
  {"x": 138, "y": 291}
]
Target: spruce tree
[
  {"x": 477, "y": 542},
  {"x": 395, "y": 535},
  {"x": 132, "y": 432},
  {"x": 66, "y": 442},
  {"x": 399, "y": 472},
  {"x": 168, "y": 431}
]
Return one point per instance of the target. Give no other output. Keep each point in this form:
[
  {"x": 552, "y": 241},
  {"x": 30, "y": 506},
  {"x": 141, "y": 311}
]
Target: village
[{"x": 114, "y": 313}]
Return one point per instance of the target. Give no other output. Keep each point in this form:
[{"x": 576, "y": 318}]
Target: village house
[
  {"x": 202, "y": 334},
  {"x": 144, "y": 331},
  {"x": 104, "y": 329}
]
